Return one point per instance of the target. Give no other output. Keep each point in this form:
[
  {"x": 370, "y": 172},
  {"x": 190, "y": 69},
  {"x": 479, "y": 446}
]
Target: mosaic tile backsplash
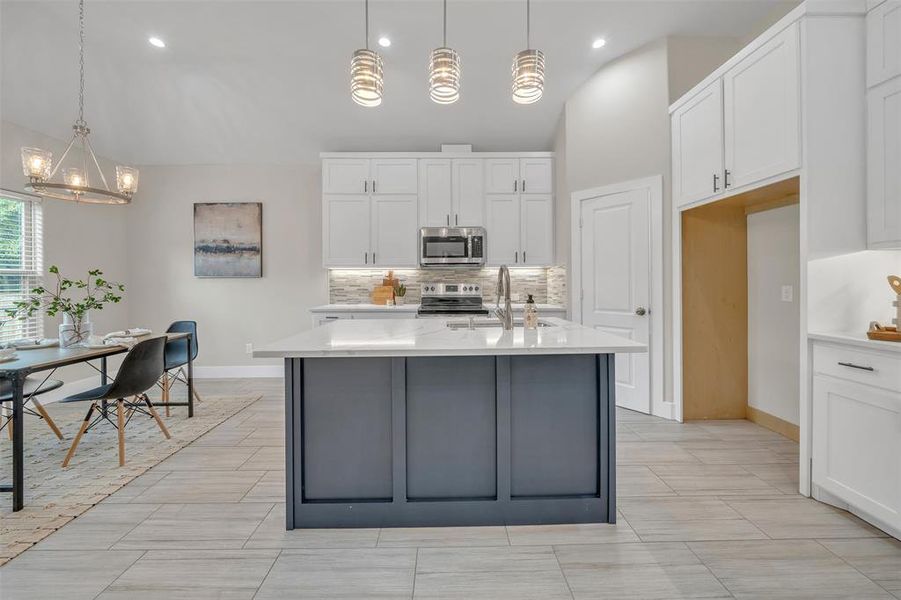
[{"x": 352, "y": 286}]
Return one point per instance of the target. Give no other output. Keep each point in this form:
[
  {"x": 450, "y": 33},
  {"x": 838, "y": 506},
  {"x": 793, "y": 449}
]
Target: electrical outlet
[
  {"x": 248, "y": 348},
  {"x": 787, "y": 293}
]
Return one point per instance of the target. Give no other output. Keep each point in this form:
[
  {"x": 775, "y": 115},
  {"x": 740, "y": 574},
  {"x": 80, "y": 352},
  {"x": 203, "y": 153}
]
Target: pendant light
[
  {"x": 528, "y": 69},
  {"x": 444, "y": 71},
  {"x": 76, "y": 182},
  {"x": 366, "y": 72}
]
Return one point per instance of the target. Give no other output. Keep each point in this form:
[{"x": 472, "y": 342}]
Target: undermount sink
[{"x": 490, "y": 324}]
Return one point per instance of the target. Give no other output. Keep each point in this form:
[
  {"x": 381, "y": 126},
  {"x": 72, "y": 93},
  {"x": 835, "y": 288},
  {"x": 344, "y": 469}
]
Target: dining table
[{"x": 47, "y": 360}]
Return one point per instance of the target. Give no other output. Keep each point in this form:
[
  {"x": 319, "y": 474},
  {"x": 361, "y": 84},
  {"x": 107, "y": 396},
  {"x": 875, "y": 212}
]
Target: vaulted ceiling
[{"x": 267, "y": 82}]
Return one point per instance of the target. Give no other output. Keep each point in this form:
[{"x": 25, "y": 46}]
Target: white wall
[
  {"x": 77, "y": 237},
  {"x": 773, "y": 324},
  {"x": 230, "y": 312}
]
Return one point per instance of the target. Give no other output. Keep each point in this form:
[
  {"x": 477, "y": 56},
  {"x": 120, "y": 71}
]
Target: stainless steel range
[{"x": 451, "y": 299}]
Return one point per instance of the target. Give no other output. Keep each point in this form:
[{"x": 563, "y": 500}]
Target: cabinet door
[
  {"x": 501, "y": 175},
  {"x": 698, "y": 146},
  {"x": 536, "y": 175},
  {"x": 394, "y": 230},
  {"x": 345, "y": 232},
  {"x": 536, "y": 229},
  {"x": 394, "y": 175},
  {"x": 468, "y": 192},
  {"x": 884, "y": 42},
  {"x": 345, "y": 176},
  {"x": 435, "y": 193},
  {"x": 761, "y": 97},
  {"x": 857, "y": 446},
  {"x": 503, "y": 229},
  {"x": 884, "y": 165}
]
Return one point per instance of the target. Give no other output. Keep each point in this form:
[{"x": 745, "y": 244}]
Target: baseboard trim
[{"x": 773, "y": 423}]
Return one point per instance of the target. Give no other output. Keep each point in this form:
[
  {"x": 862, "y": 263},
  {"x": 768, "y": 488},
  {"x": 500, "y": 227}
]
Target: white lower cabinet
[{"x": 857, "y": 431}]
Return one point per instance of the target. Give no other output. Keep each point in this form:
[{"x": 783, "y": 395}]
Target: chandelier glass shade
[
  {"x": 366, "y": 74},
  {"x": 528, "y": 76},
  {"x": 76, "y": 184},
  {"x": 444, "y": 76}
]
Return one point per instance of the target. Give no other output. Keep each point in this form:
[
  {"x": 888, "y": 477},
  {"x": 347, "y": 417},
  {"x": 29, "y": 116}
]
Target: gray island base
[{"x": 394, "y": 441}]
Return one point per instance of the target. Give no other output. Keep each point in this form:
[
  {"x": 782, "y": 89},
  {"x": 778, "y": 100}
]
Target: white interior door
[{"x": 615, "y": 276}]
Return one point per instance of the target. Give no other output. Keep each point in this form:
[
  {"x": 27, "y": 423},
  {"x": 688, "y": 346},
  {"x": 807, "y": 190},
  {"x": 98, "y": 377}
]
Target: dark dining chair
[
  {"x": 140, "y": 370},
  {"x": 176, "y": 359},
  {"x": 34, "y": 386}
]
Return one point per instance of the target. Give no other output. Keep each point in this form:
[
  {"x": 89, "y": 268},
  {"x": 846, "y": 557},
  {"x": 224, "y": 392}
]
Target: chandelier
[
  {"x": 528, "y": 70},
  {"x": 76, "y": 184},
  {"x": 366, "y": 73},
  {"x": 444, "y": 71}
]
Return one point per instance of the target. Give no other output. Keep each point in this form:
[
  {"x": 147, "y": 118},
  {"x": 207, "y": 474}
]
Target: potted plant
[
  {"x": 400, "y": 291},
  {"x": 76, "y": 327}
]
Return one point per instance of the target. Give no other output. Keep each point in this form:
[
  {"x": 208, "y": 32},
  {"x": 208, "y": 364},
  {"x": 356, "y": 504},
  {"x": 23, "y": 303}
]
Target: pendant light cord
[
  {"x": 81, "y": 122},
  {"x": 366, "y": 10},
  {"x": 445, "y": 24},
  {"x": 528, "y": 24}
]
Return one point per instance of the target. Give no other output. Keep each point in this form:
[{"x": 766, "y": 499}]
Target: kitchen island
[{"x": 428, "y": 422}]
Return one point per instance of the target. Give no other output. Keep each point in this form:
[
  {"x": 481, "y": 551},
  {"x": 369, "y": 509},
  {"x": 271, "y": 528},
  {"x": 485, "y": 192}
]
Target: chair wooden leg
[
  {"x": 165, "y": 398},
  {"x": 81, "y": 430},
  {"x": 43, "y": 412},
  {"x": 156, "y": 417},
  {"x": 120, "y": 422}
]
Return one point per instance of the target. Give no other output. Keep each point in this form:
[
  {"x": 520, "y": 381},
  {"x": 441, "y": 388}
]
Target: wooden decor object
[{"x": 381, "y": 294}]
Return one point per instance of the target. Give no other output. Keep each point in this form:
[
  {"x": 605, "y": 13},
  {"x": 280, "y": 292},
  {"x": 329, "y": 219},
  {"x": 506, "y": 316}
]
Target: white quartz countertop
[
  {"x": 411, "y": 308},
  {"x": 432, "y": 337},
  {"x": 859, "y": 340}
]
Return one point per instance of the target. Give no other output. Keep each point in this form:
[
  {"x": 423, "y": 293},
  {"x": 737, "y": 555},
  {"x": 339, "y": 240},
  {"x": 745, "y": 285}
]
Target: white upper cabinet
[
  {"x": 394, "y": 175},
  {"x": 698, "y": 146},
  {"x": 345, "y": 176},
  {"x": 536, "y": 175},
  {"x": 468, "y": 191},
  {"x": 762, "y": 124},
  {"x": 503, "y": 229},
  {"x": 537, "y": 229},
  {"x": 501, "y": 175},
  {"x": 884, "y": 166},
  {"x": 394, "y": 230},
  {"x": 884, "y": 42},
  {"x": 435, "y": 195},
  {"x": 345, "y": 232}
]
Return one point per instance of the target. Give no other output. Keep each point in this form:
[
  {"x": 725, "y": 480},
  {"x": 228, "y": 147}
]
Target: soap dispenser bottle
[{"x": 530, "y": 314}]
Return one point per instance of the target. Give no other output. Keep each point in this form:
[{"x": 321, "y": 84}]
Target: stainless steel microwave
[{"x": 452, "y": 246}]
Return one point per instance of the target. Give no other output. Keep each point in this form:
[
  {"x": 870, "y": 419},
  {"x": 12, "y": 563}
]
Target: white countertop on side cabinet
[
  {"x": 859, "y": 340},
  {"x": 410, "y": 308},
  {"x": 432, "y": 337}
]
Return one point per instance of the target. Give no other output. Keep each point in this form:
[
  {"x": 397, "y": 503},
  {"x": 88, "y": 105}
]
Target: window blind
[{"x": 21, "y": 261}]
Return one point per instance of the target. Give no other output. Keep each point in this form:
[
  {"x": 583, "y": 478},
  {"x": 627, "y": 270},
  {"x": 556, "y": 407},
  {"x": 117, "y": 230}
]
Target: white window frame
[{"x": 32, "y": 270}]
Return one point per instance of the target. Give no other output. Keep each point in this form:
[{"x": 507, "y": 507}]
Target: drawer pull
[{"x": 853, "y": 366}]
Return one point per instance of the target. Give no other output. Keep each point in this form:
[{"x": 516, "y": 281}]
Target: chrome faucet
[{"x": 503, "y": 288}]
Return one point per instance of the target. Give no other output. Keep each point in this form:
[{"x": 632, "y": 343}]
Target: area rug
[{"x": 54, "y": 496}]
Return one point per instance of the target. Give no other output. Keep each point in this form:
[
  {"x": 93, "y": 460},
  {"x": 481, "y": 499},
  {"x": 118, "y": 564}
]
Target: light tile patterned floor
[{"x": 706, "y": 510}]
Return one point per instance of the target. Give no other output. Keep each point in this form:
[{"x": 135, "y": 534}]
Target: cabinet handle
[
  {"x": 516, "y": 256},
  {"x": 523, "y": 185},
  {"x": 456, "y": 219},
  {"x": 726, "y": 178},
  {"x": 373, "y": 258},
  {"x": 716, "y": 179},
  {"x": 853, "y": 366},
  {"x": 366, "y": 258},
  {"x": 515, "y": 185},
  {"x": 523, "y": 257},
  {"x": 448, "y": 220},
  {"x": 373, "y": 186},
  {"x": 365, "y": 186}
]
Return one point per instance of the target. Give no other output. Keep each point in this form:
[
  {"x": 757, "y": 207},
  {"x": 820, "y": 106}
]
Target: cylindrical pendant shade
[
  {"x": 366, "y": 77},
  {"x": 528, "y": 76},
  {"x": 444, "y": 76}
]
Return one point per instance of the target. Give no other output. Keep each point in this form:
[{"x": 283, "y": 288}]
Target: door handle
[
  {"x": 523, "y": 257},
  {"x": 726, "y": 174},
  {"x": 716, "y": 179},
  {"x": 641, "y": 311},
  {"x": 853, "y": 366}
]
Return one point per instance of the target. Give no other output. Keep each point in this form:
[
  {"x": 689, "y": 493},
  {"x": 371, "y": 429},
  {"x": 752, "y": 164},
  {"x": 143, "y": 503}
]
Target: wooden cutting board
[{"x": 381, "y": 294}]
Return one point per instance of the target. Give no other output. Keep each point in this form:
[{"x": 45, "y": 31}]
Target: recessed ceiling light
[
  {"x": 384, "y": 41},
  {"x": 155, "y": 41},
  {"x": 599, "y": 43}
]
